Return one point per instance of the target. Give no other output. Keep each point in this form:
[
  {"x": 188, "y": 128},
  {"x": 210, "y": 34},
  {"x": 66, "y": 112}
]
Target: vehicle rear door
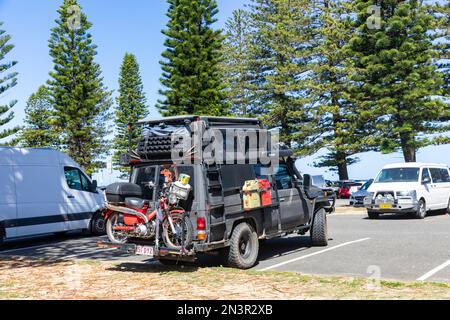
[{"x": 8, "y": 209}]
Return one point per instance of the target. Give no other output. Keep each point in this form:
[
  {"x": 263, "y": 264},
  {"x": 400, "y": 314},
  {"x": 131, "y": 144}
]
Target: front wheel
[
  {"x": 373, "y": 215},
  {"x": 421, "y": 210},
  {"x": 319, "y": 229},
  {"x": 114, "y": 236},
  {"x": 244, "y": 247},
  {"x": 183, "y": 236},
  {"x": 448, "y": 207}
]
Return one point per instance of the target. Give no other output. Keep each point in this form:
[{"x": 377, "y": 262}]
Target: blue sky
[{"x": 134, "y": 26}]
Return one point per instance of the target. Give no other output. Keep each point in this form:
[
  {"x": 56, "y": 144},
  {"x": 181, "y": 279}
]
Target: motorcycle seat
[{"x": 135, "y": 203}]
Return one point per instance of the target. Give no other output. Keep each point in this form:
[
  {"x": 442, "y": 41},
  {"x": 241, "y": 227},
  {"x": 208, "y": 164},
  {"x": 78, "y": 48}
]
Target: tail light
[{"x": 201, "y": 229}]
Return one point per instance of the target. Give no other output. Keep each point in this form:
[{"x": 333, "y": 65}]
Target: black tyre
[
  {"x": 448, "y": 207},
  {"x": 118, "y": 237},
  {"x": 421, "y": 210},
  {"x": 319, "y": 229},
  {"x": 183, "y": 237},
  {"x": 244, "y": 247},
  {"x": 373, "y": 214},
  {"x": 98, "y": 225}
]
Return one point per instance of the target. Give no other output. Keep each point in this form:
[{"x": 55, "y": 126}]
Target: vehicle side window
[
  {"x": 445, "y": 175},
  {"x": 283, "y": 178},
  {"x": 425, "y": 174},
  {"x": 77, "y": 180},
  {"x": 436, "y": 174},
  {"x": 234, "y": 176},
  {"x": 73, "y": 178}
]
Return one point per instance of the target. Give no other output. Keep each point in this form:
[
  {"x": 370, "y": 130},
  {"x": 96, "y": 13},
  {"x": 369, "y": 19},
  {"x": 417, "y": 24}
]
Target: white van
[
  {"x": 409, "y": 187},
  {"x": 44, "y": 191}
]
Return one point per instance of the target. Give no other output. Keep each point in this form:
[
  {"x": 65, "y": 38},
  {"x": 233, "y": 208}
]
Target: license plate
[
  {"x": 145, "y": 251},
  {"x": 386, "y": 206}
]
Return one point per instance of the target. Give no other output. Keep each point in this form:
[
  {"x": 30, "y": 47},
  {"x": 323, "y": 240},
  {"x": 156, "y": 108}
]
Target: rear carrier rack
[{"x": 150, "y": 251}]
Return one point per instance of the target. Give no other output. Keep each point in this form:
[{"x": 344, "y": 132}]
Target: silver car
[{"x": 357, "y": 198}]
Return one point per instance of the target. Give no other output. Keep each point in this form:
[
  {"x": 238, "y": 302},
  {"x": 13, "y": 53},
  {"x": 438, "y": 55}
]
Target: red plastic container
[{"x": 266, "y": 192}]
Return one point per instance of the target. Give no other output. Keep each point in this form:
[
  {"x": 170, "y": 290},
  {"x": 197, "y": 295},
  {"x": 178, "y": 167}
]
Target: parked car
[
  {"x": 357, "y": 198},
  {"x": 347, "y": 188},
  {"x": 44, "y": 191},
  {"x": 414, "y": 188},
  {"x": 222, "y": 224}
]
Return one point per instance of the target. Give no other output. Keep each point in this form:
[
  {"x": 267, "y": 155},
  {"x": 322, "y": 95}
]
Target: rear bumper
[{"x": 161, "y": 253}]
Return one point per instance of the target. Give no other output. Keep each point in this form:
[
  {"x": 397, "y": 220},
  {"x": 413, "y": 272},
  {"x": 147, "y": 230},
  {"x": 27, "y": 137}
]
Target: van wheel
[
  {"x": 373, "y": 215},
  {"x": 98, "y": 225},
  {"x": 448, "y": 206},
  {"x": 244, "y": 247},
  {"x": 421, "y": 210},
  {"x": 319, "y": 230}
]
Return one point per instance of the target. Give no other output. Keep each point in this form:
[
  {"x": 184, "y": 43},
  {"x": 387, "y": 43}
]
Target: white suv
[{"x": 409, "y": 187}]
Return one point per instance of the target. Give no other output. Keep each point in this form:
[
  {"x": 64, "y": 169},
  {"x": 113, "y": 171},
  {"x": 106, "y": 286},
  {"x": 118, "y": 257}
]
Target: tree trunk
[
  {"x": 408, "y": 148},
  {"x": 342, "y": 166}
]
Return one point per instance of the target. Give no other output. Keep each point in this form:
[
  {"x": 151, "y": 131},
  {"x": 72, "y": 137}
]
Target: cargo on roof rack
[{"x": 209, "y": 121}]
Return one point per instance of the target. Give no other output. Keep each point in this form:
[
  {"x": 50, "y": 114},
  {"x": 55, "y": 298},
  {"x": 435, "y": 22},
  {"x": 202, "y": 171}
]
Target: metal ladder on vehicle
[{"x": 216, "y": 197}]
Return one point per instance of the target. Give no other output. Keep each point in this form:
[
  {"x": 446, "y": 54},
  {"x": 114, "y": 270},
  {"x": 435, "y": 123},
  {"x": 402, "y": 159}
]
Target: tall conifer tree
[
  {"x": 398, "y": 82},
  {"x": 131, "y": 107},
  {"x": 80, "y": 99},
  {"x": 8, "y": 80},
  {"x": 192, "y": 80}
]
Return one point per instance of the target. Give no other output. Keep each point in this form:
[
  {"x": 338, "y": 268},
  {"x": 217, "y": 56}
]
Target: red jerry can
[{"x": 266, "y": 193}]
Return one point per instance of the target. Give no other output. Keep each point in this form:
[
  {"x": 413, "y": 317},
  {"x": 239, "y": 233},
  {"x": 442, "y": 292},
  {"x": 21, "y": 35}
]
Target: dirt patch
[{"x": 67, "y": 280}]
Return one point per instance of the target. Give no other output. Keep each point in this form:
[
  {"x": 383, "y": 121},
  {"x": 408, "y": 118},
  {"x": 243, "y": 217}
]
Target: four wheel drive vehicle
[
  {"x": 357, "y": 198},
  {"x": 228, "y": 218},
  {"x": 414, "y": 188},
  {"x": 348, "y": 188},
  {"x": 44, "y": 191}
]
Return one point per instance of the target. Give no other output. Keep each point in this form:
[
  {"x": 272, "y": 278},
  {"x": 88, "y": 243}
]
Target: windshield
[
  {"x": 398, "y": 175},
  {"x": 366, "y": 185}
]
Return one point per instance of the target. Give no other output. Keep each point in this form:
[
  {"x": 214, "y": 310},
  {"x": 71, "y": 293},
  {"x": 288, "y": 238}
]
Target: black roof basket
[{"x": 222, "y": 122}]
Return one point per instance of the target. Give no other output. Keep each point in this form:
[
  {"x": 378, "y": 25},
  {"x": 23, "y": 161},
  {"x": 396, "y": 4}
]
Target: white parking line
[
  {"x": 431, "y": 273},
  {"x": 313, "y": 254}
]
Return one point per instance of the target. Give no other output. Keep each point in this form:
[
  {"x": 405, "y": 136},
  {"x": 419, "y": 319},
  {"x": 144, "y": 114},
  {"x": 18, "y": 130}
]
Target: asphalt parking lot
[{"x": 393, "y": 248}]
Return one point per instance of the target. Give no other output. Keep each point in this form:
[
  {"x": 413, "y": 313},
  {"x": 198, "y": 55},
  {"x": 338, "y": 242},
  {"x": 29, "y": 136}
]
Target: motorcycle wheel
[
  {"x": 180, "y": 239},
  {"x": 118, "y": 237}
]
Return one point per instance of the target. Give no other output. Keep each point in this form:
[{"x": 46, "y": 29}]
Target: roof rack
[{"x": 210, "y": 121}]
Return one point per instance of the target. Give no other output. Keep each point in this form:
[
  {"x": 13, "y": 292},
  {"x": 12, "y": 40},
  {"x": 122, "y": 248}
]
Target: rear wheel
[
  {"x": 244, "y": 247},
  {"x": 373, "y": 214},
  {"x": 421, "y": 210},
  {"x": 448, "y": 207},
  {"x": 319, "y": 229}
]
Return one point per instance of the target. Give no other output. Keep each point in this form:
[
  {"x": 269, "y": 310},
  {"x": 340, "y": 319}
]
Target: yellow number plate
[{"x": 385, "y": 206}]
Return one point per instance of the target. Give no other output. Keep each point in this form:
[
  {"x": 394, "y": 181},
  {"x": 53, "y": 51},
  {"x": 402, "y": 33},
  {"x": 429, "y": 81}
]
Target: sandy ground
[{"x": 68, "y": 280}]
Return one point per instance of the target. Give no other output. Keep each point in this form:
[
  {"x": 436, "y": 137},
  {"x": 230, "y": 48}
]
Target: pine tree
[
  {"x": 341, "y": 130},
  {"x": 38, "y": 132},
  {"x": 284, "y": 38},
  {"x": 397, "y": 80},
  {"x": 131, "y": 107},
  {"x": 7, "y": 81},
  {"x": 80, "y": 99},
  {"x": 237, "y": 63},
  {"x": 192, "y": 80}
]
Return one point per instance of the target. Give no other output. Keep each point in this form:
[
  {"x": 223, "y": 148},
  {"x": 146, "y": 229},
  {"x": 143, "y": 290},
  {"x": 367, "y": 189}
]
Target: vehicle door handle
[{"x": 71, "y": 197}]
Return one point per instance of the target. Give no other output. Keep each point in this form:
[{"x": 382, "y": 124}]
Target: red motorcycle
[{"x": 136, "y": 220}]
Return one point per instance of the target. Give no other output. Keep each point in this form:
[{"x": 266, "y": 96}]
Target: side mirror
[
  {"x": 94, "y": 186},
  {"x": 307, "y": 181},
  {"x": 426, "y": 180}
]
